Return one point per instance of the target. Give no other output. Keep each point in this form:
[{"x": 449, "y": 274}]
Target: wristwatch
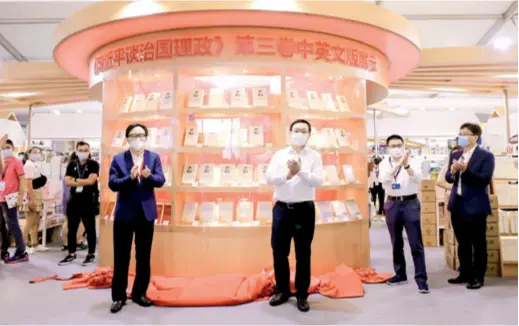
[{"x": 407, "y": 166}]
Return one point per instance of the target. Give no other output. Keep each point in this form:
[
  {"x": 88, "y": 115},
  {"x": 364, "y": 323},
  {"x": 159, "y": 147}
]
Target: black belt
[
  {"x": 402, "y": 198},
  {"x": 292, "y": 205}
]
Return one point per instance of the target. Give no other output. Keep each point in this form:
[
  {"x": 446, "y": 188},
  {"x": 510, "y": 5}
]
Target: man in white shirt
[
  {"x": 402, "y": 208},
  {"x": 295, "y": 172}
]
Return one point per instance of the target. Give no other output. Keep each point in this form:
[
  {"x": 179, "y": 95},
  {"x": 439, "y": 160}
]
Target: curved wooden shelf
[
  {"x": 256, "y": 189},
  {"x": 227, "y": 112},
  {"x": 140, "y": 116},
  {"x": 325, "y": 115},
  {"x": 261, "y": 149}
]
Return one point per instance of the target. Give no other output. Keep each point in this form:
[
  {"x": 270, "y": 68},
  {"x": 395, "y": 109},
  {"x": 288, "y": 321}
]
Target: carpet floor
[{"x": 47, "y": 303}]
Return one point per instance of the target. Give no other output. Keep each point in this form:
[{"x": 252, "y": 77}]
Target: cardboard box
[
  {"x": 429, "y": 208},
  {"x": 428, "y": 185},
  {"x": 493, "y": 202},
  {"x": 456, "y": 262},
  {"x": 443, "y": 222},
  {"x": 428, "y": 197},
  {"x": 428, "y": 219},
  {"x": 450, "y": 250},
  {"x": 493, "y": 256},
  {"x": 450, "y": 261},
  {"x": 492, "y": 243},
  {"x": 494, "y": 218},
  {"x": 430, "y": 241},
  {"x": 448, "y": 237},
  {"x": 492, "y": 230},
  {"x": 429, "y": 230},
  {"x": 492, "y": 270}
]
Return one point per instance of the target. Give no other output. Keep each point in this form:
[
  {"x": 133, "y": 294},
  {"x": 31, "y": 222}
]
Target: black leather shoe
[
  {"x": 475, "y": 284},
  {"x": 143, "y": 301},
  {"x": 278, "y": 299},
  {"x": 302, "y": 304},
  {"x": 458, "y": 280},
  {"x": 117, "y": 306}
]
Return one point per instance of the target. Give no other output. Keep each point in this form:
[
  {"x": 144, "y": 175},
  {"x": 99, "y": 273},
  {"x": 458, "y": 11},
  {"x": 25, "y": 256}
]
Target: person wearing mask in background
[
  {"x": 64, "y": 203},
  {"x": 12, "y": 181},
  {"x": 22, "y": 157},
  {"x": 400, "y": 181},
  {"x": 295, "y": 172},
  {"x": 134, "y": 175},
  {"x": 376, "y": 189},
  {"x": 32, "y": 210},
  {"x": 470, "y": 171},
  {"x": 81, "y": 175}
]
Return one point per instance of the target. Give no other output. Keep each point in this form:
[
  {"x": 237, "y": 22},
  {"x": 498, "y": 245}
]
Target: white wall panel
[
  {"x": 66, "y": 126},
  {"x": 450, "y": 33},
  {"x": 439, "y": 7}
]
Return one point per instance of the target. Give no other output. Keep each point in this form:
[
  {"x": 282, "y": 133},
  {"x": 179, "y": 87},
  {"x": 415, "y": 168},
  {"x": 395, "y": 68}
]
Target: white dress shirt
[
  {"x": 373, "y": 179},
  {"x": 302, "y": 186},
  {"x": 408, "y": 184},
  {"x": 137, "y": 160},
  {"x": 465, "y": 158}
]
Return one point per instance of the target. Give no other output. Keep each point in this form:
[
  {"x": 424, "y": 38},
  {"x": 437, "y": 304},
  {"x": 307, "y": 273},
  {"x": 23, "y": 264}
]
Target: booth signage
[{"x": 242, "y": 45}]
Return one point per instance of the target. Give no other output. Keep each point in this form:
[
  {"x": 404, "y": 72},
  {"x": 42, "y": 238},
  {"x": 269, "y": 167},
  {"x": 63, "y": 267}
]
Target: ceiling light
[
  {"x": 307, "y": 74},
  {"x": 452, "y": 109},
  {"x": 245, "y": 71},
  {"x": 56, "y": 112},
  {"x": 79, "y": 111},
  {"x": 502, "y": 43},
  {"x": 157, "y": 75},
  {"x": 16, "y": 94},
  {"x": 330, "y": 77},
  {"x": 449, "y": 89},
  {"x": 507, "y": 76}
]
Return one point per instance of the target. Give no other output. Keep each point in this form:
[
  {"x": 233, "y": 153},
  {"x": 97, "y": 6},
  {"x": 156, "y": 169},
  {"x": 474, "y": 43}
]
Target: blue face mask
[
  {"x": 7, "y": 152},
  {"x": 462, "y": 141}
]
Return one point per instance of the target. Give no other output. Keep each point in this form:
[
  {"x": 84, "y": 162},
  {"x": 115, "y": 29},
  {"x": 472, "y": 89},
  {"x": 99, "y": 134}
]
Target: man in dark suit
[
  {"x": 134, "y": 175},
  {"x": 470, "y": 172}
]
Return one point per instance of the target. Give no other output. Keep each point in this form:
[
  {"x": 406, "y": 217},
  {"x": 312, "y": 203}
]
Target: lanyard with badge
[
  {"x": 81, "y": 175},
  {"x": 395, "y": 185},
  {"x": 2, "y": 183}
]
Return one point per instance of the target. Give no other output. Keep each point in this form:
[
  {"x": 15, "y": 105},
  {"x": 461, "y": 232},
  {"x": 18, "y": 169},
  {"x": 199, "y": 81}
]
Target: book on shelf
[
  {"x": 329, "y": 103},
  {"x": 152, "y": 102},
  {"x": 126, "y": 104},
  {"x": 139, "y": 103},
  {"x": 160, "y": 212},
  {"x": 353, "y": 209},
  {"x": 349, "y": 175},
  {"x": 509, "y": 249},
  {"x": 189, "y": 212},
  {"x": 343, "y": 137},
  {"x": 294, "y": 102},
  {"x": 151, "y": 141},
  {"x": 325, "y": 212},
  {"x": 314, "y": 102},
  {"x": 189, "y": 173},
  {"x": 166, "y": 101},
  {"x": 217, "y": 98},
  {"x": 256, "y": 136},
  {"x": 224, "y": 138},
  {"x": 245, "y": 174},
  {"x": 342, "y": 103},
  {"x": 225, "y": 212},
  {"x": 167, "y": 175},
  {"x": 330, "y": 140},
  {"x": 196, "y": 99},
  {"x": 191, "y": 136},
  {"x": 245, "y": 211},
  {"x": 211, "y": 139},
  {"x": 239, "y": 98},
  {"x": 239, "y": 137},
  {"x": 340, "y": 211},
  {"x": 227, "y": 174},
  {"x": 261, "y": 174},
  {"x": 168, "y": 213},
  {"x": 260, "y": 98},
  {"x": 206, "y": 174},
  {"x": 207, "y": 212},
  {"x": 330, "y": 175},
  {"x": 164, "y": 137},
  {"x": 119, "y": 139},
  {"x": 506, "y": 192},
  {"x": 314, "y": 138},
  {"x": 264, "y": 212}
]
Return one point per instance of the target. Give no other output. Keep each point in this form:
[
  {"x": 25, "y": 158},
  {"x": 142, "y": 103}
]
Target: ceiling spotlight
[
  {"x": 307, "y": 74},
  {"x": 502, "y": 43},
  {"x": 56, "y": 112},
  {"x": 245, "y": 71},
  {"x": 157, "y": 75},
  {"x": 79, "y": 111},
  {"x": 452, "y": 109},
  {"x": 330, "y": 77}
]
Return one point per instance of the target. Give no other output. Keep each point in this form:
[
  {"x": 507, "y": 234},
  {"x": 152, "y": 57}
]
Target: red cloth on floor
[{"x": 227, "y": 290}]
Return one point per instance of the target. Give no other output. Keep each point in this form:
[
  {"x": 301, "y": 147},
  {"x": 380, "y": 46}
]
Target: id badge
[
  {"x": 2, "y": 185},
  {"x": 79, "y": 190},
  {"x": 395, "y": 186}
]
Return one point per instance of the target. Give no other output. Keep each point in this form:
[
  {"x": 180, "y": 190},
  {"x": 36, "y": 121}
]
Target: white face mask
[
  {"x": 299, "y": 139},
  {"x": 35, "y": 157},
  {"x": 137, "y": 144},
  {"x": 82, "y": 155},
  {"x": 396, "y": 152}
]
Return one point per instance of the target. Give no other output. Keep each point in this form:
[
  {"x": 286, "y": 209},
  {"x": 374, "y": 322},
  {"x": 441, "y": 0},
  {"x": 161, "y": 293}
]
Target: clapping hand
[
  {"x": 3, "y": 140},
  {"x": 458, "y": 166},
  {"x": 146, "y": 172},
  {"x": 404, "y": 160},
  {"x": 134, "y": 172},
  {"x": 294, "y": 166}
]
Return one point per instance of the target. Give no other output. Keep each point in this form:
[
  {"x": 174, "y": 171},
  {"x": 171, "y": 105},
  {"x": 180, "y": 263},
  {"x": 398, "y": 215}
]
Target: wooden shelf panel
[
  {"x": 186, "y": 149},
  {"x": 508, "y": 206},
  {"x": 329, "y": 115},
  {"x": 260, "y": 189},
  {"x": 227, "y": 112},
  {"x": 140, "y": 116}
]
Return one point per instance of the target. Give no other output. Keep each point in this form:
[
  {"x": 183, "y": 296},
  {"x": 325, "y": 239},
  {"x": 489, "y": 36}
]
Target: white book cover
[
  {"x": 191, "y": 137},
  {"x": 119, "y": 139},
  {"x": 245, "y": 212},
  {"x": 349, "y": 175},
  {"x": 217, "y": 98},
  {"x": 342, "y": 103},
  {"x": 256, "y": 136},
  {"x": 264, "y": 212},
  {"x": 196, "y": 99},
  {"x": 245, "y": 174},
  {"x": 509, "y": 249},
  {"x": 189, "y": 173},
  {"x": 314, "y": 138},
  {"x": 164, "y": 137},
  {"x": 329, "y": 103},
  {"x": 227, "y": 174},
  {"x": 225, "y": 212},
  {"x": 211, "y": 139},
  {"x": 239, "y": 98},
  {"x": 151, "y": 141},
  {"x": 353, "y": 209},
  {"x": 314, "y": 102},
  {"x": 152, "y": 102},
  {"x": 339, "y": 208},
  {"x": 239, "y": 137},
  {"x": 207, "y": 212},
  {"x": 293, "y": 99},
  {"x": 139, "y": 103},
  {"x": 343, "y": 137},
  {"x": 189, "y": 212},
  {"x": 167, "y": 175},
  {"x": 321, "y": 139},
  {"x": 166, "y": 101},
  {"x": 260, "y": 98},
  {"x": 261, "y": 173},
  {"x": 331, "y": 175},
  {"x": 329, "y": 138},
  {"x": 206, "y": 174},
  {"x": 126, "y": 105},
  {"x": 504, "y": 222},
  {"x": 325, "y": 211}
]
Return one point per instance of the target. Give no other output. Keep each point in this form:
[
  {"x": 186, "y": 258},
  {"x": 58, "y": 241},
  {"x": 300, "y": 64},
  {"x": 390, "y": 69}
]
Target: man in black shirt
[{"x": 81, "y": 175}]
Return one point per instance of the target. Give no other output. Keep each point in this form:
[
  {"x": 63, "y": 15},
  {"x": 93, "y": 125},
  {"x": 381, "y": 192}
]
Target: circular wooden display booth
[{"x": 218, "y": 94}]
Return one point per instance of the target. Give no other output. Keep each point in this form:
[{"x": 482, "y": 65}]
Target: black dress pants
[
  {"x": 81, "y": 208},
  {"x": 293, "y": 221},
  {"x": 377, "y": 191},
  {"x": 123, "y": 238},
  {"x": 471, "y": 234}
]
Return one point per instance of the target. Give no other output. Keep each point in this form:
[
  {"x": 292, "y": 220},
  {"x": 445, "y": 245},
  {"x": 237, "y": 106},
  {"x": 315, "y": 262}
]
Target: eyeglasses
[
  {"x": 462, "y": 134},
  {"x": 137, "y": 136}
]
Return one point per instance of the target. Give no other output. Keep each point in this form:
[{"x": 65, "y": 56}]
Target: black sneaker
[
  {"x": 67, "y": 260},
  {"x": 423, "y": 287},
  {"x": 82, "y": 246},
  {"x": 64, "y": 248},
  {"x": 397, "y": 280},
  {"x": 90, "y": 258},
  {"x": 5, "y": 256},
  {"x": 17, "y": 258}
]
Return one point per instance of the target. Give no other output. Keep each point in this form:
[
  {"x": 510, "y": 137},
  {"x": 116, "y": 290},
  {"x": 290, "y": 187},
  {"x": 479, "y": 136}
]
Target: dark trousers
[
  {"x": 378, "y": 191},
  {"x": 400, "y": 215},
  {"x": 9, "y": 219},
  {"x": 81, "y": 208},
  {"x": 293, "y": 221},
  {"x": 471, "y": 234},
  {"x": 123, "y": 238}
]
